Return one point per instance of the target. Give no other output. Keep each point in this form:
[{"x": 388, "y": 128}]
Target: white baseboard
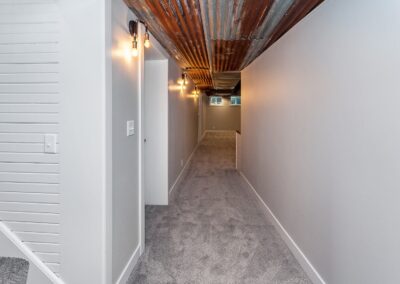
[
  {"x": 29, "y": 255},
  {"x": 214, "y": 130},
  {"x": 123, "y": 278},
  {"x": 180, "y": 176},
  {"x": 295, "y": 249}
]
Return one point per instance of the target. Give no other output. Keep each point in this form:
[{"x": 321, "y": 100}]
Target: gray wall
[
  {"x": 203, "y": 101},
  {"x": 125, "y": 151},
  {"x": 182, "y": 123},
  {"x": 321, "y": 136},
  {"x": 225, "y": 117}
]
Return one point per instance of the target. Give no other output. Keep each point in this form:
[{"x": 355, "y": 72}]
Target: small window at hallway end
[
  {"x": 235, "y": 100},
  {"x": 215, "y": 101}
]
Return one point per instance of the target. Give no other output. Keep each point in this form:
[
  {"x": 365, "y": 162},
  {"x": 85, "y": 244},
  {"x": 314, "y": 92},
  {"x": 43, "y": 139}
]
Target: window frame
[
  {"x": 221, "y": 103},
  {"x": 235, "y": 104}
]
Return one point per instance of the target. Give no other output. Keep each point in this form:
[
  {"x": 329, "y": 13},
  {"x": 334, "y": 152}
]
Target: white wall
[
  {"x": 223, "y": 117},
  {"x": 83, "y": 140},
  {"x": 125, "y": 149},
  {"x": 202, "y": 114},
  {"x": 29, "y": 108},
  {"x": 83, "y": 155},
  {"x": 182, "y": 123},
  {"x": 321, "y": 136},
  {"x": 55, "y": 85},
  {"x": 156, "y": 131}
]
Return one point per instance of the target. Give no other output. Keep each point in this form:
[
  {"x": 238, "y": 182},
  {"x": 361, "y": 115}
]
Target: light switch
[
  {"x": 130, "y": 127},
  {"x": 50, "y": 143}
]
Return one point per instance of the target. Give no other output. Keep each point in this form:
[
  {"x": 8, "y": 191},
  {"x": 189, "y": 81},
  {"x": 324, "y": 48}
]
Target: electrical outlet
[{"x": 181, "y": 162}]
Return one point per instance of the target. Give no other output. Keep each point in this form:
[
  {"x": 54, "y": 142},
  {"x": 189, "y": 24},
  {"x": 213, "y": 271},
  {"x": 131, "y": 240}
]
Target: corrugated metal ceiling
[{"x": 215, "y": 39}]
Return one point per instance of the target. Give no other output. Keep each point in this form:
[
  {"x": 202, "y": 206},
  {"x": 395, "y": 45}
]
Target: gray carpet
[
  {"x": 214, "y": 231},
  {"x": 13, "y": 270}
]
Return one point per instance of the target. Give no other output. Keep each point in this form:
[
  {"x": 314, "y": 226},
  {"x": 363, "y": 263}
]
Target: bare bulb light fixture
[
  {"x": 182, "y": 80},
  {"x": 133, "y": 30},
  {"x": 146, "y": 38},
  {"x": 196, "y": 92}
]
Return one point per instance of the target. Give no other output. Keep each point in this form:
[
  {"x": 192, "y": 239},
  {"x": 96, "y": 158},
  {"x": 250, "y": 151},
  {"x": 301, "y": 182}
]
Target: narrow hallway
[{"x": 214, "y": 231}]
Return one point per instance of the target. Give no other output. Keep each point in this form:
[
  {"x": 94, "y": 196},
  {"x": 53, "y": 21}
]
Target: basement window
[
  {"x": 215, "y": 101},
  {"x": 235, "y": 101}
]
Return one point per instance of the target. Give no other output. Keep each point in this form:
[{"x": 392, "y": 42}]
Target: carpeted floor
[
  {"x": 13, "y": 270},
  {"x": 214, "y": 231}
]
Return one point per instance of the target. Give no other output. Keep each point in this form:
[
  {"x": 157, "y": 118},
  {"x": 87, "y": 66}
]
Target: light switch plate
[
  {"x": 50, "y": 143},
  {"x": 130, "y": 127}
]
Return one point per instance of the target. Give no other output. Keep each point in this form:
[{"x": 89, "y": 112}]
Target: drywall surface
[
  {"x": 321, "y": 136},
  {"x": 224, "y": 117},
  {"x": 125, "y": 149},
  {"x": 82, "y": 140},
  {"x": 202, "y": 114},
  {"x": 182, "y": 122},
  {"x": 156, "y": 131}
]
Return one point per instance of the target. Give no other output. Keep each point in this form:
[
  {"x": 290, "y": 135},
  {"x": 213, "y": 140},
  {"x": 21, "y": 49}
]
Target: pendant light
[{"x": 133, "y": 28}]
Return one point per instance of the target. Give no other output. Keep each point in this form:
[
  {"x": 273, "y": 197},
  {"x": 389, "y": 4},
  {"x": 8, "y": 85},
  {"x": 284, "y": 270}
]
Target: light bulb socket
[{"x": 133, "y": 28}]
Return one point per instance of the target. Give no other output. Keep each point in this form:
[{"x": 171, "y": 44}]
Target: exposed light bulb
[
  {"x": 182, "y": 80},
  {"x": 147, "y": 39},
  {"x": 146, "y": 43},
  {"x": 135, "y": 51}
]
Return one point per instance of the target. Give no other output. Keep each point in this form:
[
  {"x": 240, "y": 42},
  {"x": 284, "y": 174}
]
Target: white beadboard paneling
[
  {"x": 30, "y": 207},
  {"x": 21, "y": 137},
  {"x": 26, "y": 8},
  {"x": 29, "y": 109},
  {"x": 43, "y": 247},
  {"x": 21, "y": 147},
  {"x": 28, "y": 68},
  {"x": 55, "y": 267},
  {"x": 28, "y": 128},
  {"x": 28, "y": 38},
  {"x": 29, "y": 167},
  {"x": 26, "y": 77},
  {"x": 28, "y": 157},
  {"x": 39, "y": 237},
  {"x": 51, "y": 218},
  {"x": 29, "y": 197},
  {"x": 33, "y": 227},
  {"x": 20, "y": 19},
  {"x": 29, "y": 177},
  {"x": 39, "y": 88},
  {"x": 49, "y": 257},
  {"x": 35, "y": 58},
  {"x": 29, "y": 98},
  {"x": 29, "y": 48},
  {"x": 41, "y": 118},
  {"x": 24, "y": 29},
  {"x": 28, "y": 188}
]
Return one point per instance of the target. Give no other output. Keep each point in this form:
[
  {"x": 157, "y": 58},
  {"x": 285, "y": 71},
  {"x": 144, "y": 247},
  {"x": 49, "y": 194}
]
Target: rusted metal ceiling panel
[
  {"x": 214, "y": 36},
  {"x": 202, "y": 78},
  {"x": 225, "y": 80}
]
